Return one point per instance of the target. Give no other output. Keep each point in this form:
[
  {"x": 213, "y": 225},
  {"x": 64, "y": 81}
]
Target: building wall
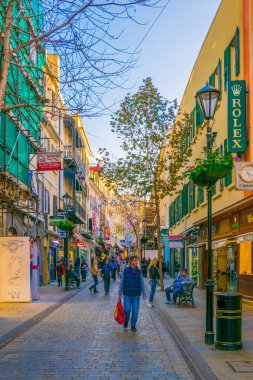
[{"x": 232, "y": 209}]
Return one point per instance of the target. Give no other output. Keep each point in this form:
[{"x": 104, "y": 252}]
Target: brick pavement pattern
[{"x": 81, "y": 340}]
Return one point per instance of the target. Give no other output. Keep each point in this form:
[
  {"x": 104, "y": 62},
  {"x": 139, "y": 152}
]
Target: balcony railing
[{"x": 71, "y": 154}]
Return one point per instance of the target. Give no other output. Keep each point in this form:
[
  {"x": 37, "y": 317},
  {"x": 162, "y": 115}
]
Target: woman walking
[
  {"x": 154, "y": 278},
  {"x": 94, "y": 271}
]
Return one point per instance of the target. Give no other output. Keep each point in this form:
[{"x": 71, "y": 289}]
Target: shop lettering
[
  {"x": 250, "y": 218},
  {"x": 236, "y": 117}
]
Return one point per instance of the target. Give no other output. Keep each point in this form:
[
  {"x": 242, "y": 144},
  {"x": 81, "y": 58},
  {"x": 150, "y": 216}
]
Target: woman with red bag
[{"x": 131, "y": 286}]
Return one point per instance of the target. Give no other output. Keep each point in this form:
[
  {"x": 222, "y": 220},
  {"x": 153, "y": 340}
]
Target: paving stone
[{"x": 82, "y": 338}]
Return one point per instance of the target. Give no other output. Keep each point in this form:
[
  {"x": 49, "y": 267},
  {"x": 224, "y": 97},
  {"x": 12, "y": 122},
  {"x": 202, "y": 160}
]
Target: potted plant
[
  {"x": 144, "y": 239},
  {"x": 210, "y": 169},
  {"x": 66, "y": 225}
]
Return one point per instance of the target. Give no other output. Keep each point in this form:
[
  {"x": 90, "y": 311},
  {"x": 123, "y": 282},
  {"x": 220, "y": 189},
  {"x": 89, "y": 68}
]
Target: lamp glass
[
  {"x": 66, "y": 199},
  {"x": 144, "y": 223},
  {"x": 208, "y": 98}
]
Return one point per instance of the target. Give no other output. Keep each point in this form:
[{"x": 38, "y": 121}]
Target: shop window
[{"x": 246, "y": 259}]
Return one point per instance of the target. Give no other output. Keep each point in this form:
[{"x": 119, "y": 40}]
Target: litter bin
[{"x": 229, "y": 321}]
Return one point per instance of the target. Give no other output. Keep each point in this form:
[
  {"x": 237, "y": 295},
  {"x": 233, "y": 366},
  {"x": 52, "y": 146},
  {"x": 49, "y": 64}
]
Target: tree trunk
[
  {"x": 158, "y": 226},
  {"x": 137, "y": 244},
  {"x": 6, "y": 54}
]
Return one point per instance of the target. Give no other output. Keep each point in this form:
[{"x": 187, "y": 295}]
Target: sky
[{"x": 167, "y": 55}]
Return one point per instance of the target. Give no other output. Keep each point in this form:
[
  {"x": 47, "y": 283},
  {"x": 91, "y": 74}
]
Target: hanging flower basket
[
  {"x": 144, "y": 239},
  {"x": 66, "y": 225},
  {"x": 210, "y": 169}
]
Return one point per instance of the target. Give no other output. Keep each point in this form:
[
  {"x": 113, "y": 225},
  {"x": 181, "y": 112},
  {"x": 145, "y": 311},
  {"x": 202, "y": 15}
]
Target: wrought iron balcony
[
  {"x": 72, "y": 156},
  {"x": 77, "y": 213}
]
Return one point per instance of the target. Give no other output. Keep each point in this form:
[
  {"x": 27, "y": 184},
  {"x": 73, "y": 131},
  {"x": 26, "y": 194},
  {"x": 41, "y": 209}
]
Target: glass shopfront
[
  {"x": 225, "y": 265},
  {"x": 176, "y": 261},
  {"x": 193, "y": 263}
]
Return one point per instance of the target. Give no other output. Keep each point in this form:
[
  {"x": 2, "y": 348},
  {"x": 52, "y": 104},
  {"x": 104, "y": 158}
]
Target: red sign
[
  {"x": 176, "y": 237},
  {"x": 48, "y": 161}
]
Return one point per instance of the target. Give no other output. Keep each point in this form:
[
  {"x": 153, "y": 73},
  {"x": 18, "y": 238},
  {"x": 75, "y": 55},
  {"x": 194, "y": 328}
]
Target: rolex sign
[{"x": 236, "y": 116}]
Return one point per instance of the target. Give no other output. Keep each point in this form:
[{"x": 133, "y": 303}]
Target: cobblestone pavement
[{"x": 81, "y": 340}]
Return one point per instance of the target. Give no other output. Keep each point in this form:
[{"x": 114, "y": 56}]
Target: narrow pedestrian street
[{"x": 81, "y": 340}]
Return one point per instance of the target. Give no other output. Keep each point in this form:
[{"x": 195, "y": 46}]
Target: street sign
[{"x": 61, "y": 234}]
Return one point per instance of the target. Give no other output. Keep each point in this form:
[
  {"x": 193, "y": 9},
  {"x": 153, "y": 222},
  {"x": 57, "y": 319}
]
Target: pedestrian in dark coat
[
  {"x": 131, "y": 286},
  {"x": 106, "y": 273}
]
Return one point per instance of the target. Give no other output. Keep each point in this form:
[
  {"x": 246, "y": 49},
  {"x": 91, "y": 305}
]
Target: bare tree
[{"x": 85, "y": 34}]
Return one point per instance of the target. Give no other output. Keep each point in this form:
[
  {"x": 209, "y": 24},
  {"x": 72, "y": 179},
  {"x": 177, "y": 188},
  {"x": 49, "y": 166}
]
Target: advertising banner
[
  {"x": 49, "y": 161},
  {"x": 15, "y": 269},
  {"x": 237, "y": 141}
]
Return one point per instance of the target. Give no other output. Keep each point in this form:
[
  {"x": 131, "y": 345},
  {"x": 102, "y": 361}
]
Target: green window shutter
[
  {"x": 185, "y": 208},
  {"x": 200, "y": 195},
  {"x": 191, "y": 196},
  {"x": 228, "y": 178},
  {"x": 212, "y": 80},
  {"x": 192, "y": 117},
  {"x": 199, "y": 117},
  {"x": 221, "y": 181},
  {"x": 176, "y": 210},
  {"x": 180, "y": 206},
  {"x": 237, "y": 52},
  {"x": 219, "y": 75},
  {"x": 214, "y": 189},
  {"x": 227, "y": 67}
]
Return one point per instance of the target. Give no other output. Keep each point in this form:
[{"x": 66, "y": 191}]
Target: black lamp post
[
  {"x": 208, "y": 98},
  {"x": 144, "y": 225},
  {"x": 66, "y": 203}
]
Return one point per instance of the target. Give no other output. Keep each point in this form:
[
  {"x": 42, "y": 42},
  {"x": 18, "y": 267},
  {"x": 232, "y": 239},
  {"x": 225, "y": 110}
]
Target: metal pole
[
  {"x": 145, "y": 251},
  {"x": 66, "y": 260},
  {"x": 209, "y": 333}
]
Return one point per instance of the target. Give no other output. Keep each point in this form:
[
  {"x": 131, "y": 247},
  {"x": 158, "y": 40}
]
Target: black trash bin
[{"x": 229, "y": 321}]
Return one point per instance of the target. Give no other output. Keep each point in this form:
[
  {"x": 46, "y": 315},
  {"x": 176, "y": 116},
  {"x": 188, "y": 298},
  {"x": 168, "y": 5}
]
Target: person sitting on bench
[
  {"x": 74, "y": 276},
  {"x": 178, "y": 285}
]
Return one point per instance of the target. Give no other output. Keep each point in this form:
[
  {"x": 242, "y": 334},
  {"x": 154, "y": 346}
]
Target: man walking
[
  {"x": 106, "y": 272},
  {"x": 131, "y": 286}
]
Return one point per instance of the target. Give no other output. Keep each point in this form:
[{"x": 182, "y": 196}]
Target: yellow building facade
[{"x": 225, "y": 56}]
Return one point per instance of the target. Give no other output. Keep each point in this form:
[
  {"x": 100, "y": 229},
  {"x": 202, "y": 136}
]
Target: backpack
[{"x": 60, "y": 268}]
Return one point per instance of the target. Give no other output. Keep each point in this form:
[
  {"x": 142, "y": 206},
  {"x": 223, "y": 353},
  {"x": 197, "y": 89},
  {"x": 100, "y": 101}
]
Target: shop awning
[
  {"x": 77, "y": 235},
  {"x": 219, "y": 243},
  {"x": 244, "y": 238}
]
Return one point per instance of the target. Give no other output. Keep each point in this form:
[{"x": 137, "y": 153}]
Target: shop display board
[{"x": 15, "y": 269}]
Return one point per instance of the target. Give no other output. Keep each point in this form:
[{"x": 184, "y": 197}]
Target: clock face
[{"x": 246, "y": 173}]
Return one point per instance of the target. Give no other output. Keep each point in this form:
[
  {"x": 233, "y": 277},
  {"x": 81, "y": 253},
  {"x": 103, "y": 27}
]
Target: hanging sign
[
  {"x": 49, "y": 161},
  {"x": 237, "y": 116},
  {"x": 244, "y": 175}
]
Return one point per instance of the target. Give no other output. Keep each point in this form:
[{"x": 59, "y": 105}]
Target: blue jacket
[
  {"x": 132, "y": 283},
  {"x": 114, "y": 265},
  {"x": 180, "y": 279},
  {"x": 106, "y": 270}
]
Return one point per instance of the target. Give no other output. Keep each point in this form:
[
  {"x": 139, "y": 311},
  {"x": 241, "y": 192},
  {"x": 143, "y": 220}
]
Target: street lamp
[
  {"x": 144, "y": 225},
  {"x": 66, "y": 204},
  {"x": 208, "y": 98}
]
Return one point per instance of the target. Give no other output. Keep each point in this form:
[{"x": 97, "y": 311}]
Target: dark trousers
[
  {"x": 83, "y": 273},
  {"x": 114, "y": 274},
  {"x": 59, "y": 279},
  {"x": 106, "y": 279}
]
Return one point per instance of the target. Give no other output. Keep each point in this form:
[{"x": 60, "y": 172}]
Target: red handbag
[{"x": 119, "y": 313}]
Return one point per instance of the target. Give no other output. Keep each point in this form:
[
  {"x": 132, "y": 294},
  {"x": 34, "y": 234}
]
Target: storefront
[
  {"x": 225, "y": 265},
  {"x": 245, "y": 267}
]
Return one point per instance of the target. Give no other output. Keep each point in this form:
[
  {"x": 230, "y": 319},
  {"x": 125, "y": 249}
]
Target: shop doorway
[{"x": 225, "y": 268}]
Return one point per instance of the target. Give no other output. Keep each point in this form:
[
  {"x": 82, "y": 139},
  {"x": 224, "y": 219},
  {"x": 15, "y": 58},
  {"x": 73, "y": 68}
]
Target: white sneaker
[{"x": 150, "y": 304}]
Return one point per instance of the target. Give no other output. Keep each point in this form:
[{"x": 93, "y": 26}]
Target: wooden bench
[{"x": 186, "y": 295}]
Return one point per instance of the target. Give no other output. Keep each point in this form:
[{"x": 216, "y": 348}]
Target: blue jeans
[
  {"x": 94, "y": 286},
  {"x": 131, "y": 303},
  {"x": 153, "y": 288},
  {"x": 175, "y": 292}
]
